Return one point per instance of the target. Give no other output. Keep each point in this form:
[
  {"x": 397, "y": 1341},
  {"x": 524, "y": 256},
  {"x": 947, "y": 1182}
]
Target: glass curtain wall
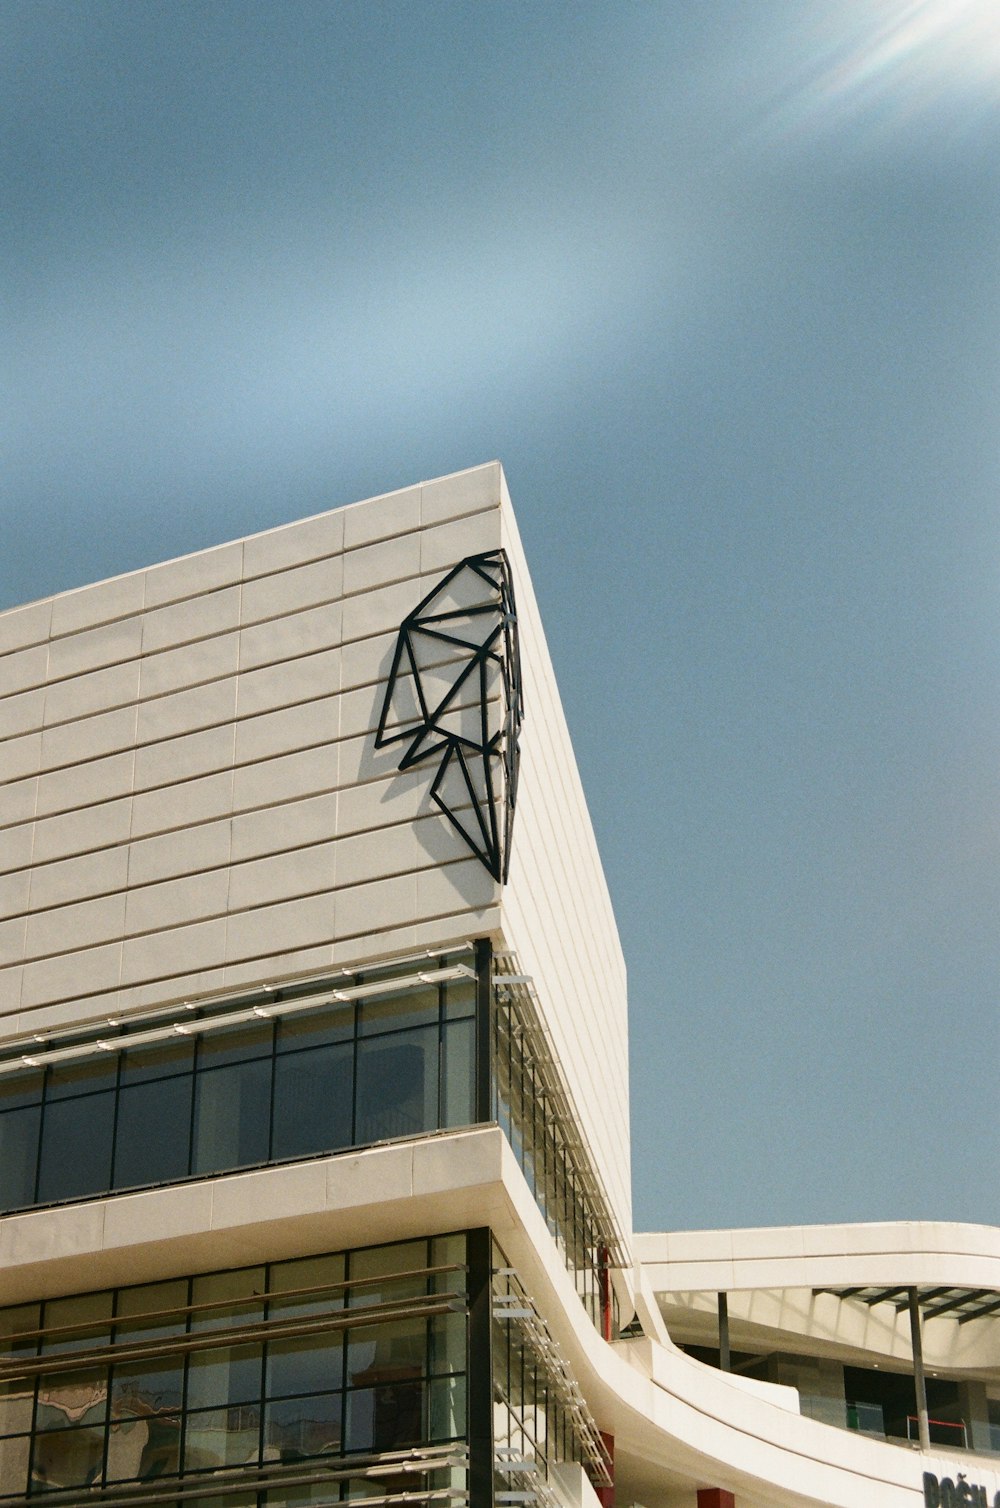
[
  {"x": 325, "y": 1076},
  {"x": 290, "y": 1382},
  {"x": 540, "y": 1418},
  {"x": 321, "y": 1075},
  {"x": 524, "y": 1101}
]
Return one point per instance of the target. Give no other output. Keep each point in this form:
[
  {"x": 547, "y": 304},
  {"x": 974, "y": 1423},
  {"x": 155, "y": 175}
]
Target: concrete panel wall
[
  {"x": 190, "y": 799},
  {"x": 557, "y": 913}
]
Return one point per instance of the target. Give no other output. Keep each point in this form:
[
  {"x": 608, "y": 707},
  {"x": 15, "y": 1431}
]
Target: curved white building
[{"x": 314, "y": 1157}]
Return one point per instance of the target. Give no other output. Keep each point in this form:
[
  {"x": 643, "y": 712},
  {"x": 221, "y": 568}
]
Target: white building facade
[{"x": 314, "y": 1151}]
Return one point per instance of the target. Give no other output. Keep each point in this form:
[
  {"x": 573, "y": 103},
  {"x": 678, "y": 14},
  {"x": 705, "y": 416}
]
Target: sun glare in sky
[{"x": 892, "y": 60}]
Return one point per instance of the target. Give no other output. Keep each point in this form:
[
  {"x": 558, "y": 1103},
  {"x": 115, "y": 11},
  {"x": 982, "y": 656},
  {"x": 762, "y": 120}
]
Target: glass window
[
  {"x": 146, "y": 1418},
  {"x": 386, "y": 1417},
  {"x": 412, "y": 1007},
  {"x": 18, "y": 1089},
  {"x": 18, "y": 1155},
  {"x": 224, "y": 1376},
  {"x": 143, "y": 1448},
  {"x": 299, "y": 1427},
  {"x": 308, "y": 1272},
  {"x": 145, "y": 1312},
  {"x": 312, "y": 1101},
  {"x": 76, "y": 1147},
  {"x": 16, "y": 1399},
  {"x": 222, "y": 1437},
  {"x": 459, "y": 999},
  {"x": 84, "y": 1076},
  {"x": 384, "y": 1262},
  {"x": 316, "y": 1028},
  {"x": 311, "y": 1364},
  {"x": 159, "y": 1061},
  {"x": 72, "y": 1398},
  {"x": 381, "y": 1353},
  {"x": 235, "y": 1044},
  {"x": 67, "y": 1458},
  {"x": 447, "y": 1343},
  {"x": 230, "y": 1116},
  {"x": 459, "y": 1097},
  {"x": 231, "y": 1297},
  {"x": 78, "y": 1323},
  {"x": 14, "y": 1465},
  {"x": 143, "y": 1389},
  {"x": 397, "y": 1086},
  {"x": 447, "y": 1408},
  {"x": 153, "y": 1133}
]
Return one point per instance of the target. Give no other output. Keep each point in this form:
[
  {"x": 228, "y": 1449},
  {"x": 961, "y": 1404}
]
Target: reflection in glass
[
  {"x": 143, "y": 1313},
  {"x": 14, "y": 1463},
  {"x": 405, "y": 1008},
  {"x": 15, "y": 1407},
  {"x": 84, "y": 1076},
  {"x": 313, "y": 1364},
  {"x": 153, "y": 1132},
  {"x": 78, "y": 1322},
  {"x": 387, "y": 1262},
  {"x": 307, "y": 1272},
  {"x": 222, "y": 1437},
  {"x": 447, "y": 1408},
  {"x": 18, "y": 1155},
  {"x": 159, "y": 1061},
  {"x": 124, "y": 1423},
  {"x": 235, "y": 1044},
  {"x": 67, "y": 1458},
  {"x": 72, "y": 1398},
  {"x": 299, "y": 1427},
  {"x": 229, "y": 1298},
  {"x": 231, "y": 1115},
  {"x": 145, "y": 1388},
  {"x": 143, "y": 1447},
  {"x": 397, "y": 1085},
  {"x": 224, "y": 1376},
  {"x": 316, "y": 1028},
  {"x": 76, "y": 1147},
  {"x": 312, "y": 1101},
  {"x": 459, "y": 1086}
]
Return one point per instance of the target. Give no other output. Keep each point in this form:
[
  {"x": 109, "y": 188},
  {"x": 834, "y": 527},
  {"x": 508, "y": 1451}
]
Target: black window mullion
[
  {"x": 354, "y": 1076},
  {"x": 270, "y": 1100},
  {"x": 46, "y": 1075},
  {"x": 195, "y": 1057},
  {"x": 114, "y": 1120},
  {"x": 439, "y": 1119}
]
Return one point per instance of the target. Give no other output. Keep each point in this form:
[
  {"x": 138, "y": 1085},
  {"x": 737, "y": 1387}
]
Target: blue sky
[{"x": 718, "y": 283}]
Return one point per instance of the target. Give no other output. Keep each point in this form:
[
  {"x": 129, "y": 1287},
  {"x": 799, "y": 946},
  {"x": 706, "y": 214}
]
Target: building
[{"x": 314, "y": 1152}]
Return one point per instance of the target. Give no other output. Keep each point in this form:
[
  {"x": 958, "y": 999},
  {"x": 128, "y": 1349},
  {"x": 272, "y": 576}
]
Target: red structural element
[
  {"x": 715, "y": 1497},
  {"x": 604, "y": 1277},
  {"x": 606, "y": 1495}
]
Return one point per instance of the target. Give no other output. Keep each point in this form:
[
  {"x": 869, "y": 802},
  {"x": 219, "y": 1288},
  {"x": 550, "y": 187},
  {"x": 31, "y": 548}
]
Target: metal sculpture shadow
[{"x": 454, "y": 693}]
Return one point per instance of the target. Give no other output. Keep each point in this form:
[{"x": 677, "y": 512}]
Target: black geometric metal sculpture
[{"x": 454, "y": 692}]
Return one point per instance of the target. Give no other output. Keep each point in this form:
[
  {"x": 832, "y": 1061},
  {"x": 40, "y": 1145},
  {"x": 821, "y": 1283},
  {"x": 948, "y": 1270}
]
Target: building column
[
  {"x": 919, "y": 1384},
  {"x": 724, "y": 1359},
  {"x": 715, "y": 1497},
  {"x": 480, "y": 1280}
]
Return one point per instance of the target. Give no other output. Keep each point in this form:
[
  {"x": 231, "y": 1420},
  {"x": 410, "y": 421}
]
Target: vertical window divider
[
  {"x": 119, "y": 1059},
  {"x": 271, "y": 1090},
  {"x": 195, "y": 1064},
  {"x": 46, "y": 1075},
  {"x": 485, "y": 1066}
]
